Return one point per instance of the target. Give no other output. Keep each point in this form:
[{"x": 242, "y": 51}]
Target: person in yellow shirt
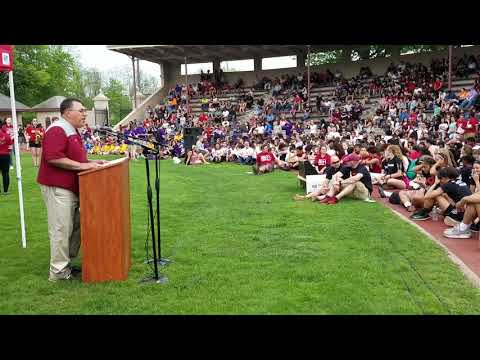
[
  {"x": 116, "y": 149},
  {"x": 105, "y": 149},
  {"x": 123, "y": 148},
  {"x": 178, "y": 137}
]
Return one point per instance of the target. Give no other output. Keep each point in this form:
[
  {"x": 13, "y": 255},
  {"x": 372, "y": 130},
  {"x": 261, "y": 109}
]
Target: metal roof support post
[
  {"x": 138, "y": 73},
  {"x": 186, "y": 83},
  {"x": 450, "y": 67},
  {"x": 308, "y": 75},
  {"x": 134, "y": 83}
]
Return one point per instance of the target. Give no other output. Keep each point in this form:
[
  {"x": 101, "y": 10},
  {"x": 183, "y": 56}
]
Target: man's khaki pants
[{"x": 63, "y": 228}]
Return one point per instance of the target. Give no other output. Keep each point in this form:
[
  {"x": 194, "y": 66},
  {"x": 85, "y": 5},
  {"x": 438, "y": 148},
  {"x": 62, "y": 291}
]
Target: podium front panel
[{"x": 105, "y": 223}]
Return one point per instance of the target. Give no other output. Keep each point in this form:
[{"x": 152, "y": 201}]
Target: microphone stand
[{"x": 149, "y": 147}]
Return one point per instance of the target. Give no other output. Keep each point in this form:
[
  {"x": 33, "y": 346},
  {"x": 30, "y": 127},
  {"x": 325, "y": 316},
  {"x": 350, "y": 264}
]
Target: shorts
[
  {"x": 360, "y": 192},
  {"x": 406, "y": 180},
  {"x": 267, "y": 167},
  {"x": 34, "y": 145}
]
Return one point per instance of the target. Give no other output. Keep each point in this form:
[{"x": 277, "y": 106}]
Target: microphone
[{"x": 106, "y": 129}]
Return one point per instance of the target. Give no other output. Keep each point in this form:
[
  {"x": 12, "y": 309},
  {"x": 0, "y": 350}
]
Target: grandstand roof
[
  {"x": 206, "y": 53},
  {"x": 5, "y": 104},
  {"x": 52, "y": 104}
]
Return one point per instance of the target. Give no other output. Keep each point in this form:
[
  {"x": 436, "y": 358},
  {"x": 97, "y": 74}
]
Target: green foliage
[
  {"x": 42, "y": 71},
  {"x": 119, "y": 104},
  {"x": 369, "y": 52},
  {"x": 329, "y": 57},
  {"x": 240, "y": 245}
]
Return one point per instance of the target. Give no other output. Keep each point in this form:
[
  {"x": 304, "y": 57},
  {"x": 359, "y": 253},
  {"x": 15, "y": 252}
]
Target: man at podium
[{"x": 63, "y": 157}]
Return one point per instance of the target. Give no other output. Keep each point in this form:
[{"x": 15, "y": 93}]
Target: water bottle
[{"x": 434, "y": 213}]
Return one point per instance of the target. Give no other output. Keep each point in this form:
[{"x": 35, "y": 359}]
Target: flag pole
[{"x": 17, "y": 157}]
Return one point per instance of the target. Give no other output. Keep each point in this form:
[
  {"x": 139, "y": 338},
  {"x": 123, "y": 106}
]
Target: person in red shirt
[
  {"x": 266, "y": 161},
  {"x": 63, "y": 157},
  {"x": 5, "y": 143},
  {"x": 322, "y": 160},
  {"x": 471, "y": 127},
  {"x": 10, "y": 131},
  {"x": 437, "y": 85},
  {"x": 372, "y": 159},
  {"x": 30, "y": 136},
  {"x": 203, "y": 118}
]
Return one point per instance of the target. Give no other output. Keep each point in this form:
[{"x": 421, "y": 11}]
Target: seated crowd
[{"x": 419, "y": 148}]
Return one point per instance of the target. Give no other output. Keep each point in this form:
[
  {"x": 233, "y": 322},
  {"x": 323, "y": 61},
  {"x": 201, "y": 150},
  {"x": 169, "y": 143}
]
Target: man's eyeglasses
[
  {"x": 336, "y": 162},
  {"x": 82, "y": 111}
]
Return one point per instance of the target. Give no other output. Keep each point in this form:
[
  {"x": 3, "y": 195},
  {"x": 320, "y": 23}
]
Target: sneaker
[
  {"x": 69, "y": 277},
  {"x": 76, "y": 270},
  {"x": 332, "y": 201},
  {"x": 325, "y": 200},
  {"x": 450, "y": 220},
  {"x": 456, "y": 233},
  {"x": 299, "y": 197},
  {"x": 382, "y": 192},
  {"x": 423, "y": 214},
  {"x": 474, "y": 227}
]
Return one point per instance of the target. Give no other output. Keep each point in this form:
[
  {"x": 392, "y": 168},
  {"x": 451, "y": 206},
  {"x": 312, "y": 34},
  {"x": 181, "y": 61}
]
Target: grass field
[{"x": 240, "y": 245}]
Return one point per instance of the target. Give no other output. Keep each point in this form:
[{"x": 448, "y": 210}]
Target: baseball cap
[{"x": 351, "y": 157}]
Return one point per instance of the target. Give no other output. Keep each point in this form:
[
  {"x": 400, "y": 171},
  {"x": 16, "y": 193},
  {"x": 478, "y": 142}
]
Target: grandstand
[{"x": 172, "y": 57}]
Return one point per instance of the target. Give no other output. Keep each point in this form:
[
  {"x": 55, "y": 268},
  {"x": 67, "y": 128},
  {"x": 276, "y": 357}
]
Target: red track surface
[{"x": 467, "y": 250}]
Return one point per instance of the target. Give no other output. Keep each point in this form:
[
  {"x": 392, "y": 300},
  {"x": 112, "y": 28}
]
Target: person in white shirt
[
  {"x": 260, "y": 129},
  {"x": 218, "y": 154},
  {"x": 245, "y": 155},
  {"x": 313, "y": 129}
]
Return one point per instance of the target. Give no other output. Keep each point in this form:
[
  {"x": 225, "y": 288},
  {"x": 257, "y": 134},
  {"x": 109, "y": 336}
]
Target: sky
[{"x": 97, "y": 56}]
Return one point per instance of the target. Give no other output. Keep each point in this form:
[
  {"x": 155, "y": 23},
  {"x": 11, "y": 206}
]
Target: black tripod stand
[
  {"x": 148, "y": 149},
  {"x": 157, "y": 278},
  {"x": 161, "y": 261}
]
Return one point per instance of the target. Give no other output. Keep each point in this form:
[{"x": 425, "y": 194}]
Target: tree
[
  {"x": 370, "y": 52},
  {"x": 328, "y": 57},
  {"x": 42, "y": 71},
  {"x": 148, "y": 83},
  {"x": 119, "y": 104}
]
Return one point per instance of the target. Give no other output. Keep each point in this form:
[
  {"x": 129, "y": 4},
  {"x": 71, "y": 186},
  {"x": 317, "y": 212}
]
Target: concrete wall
[
  {"x": 42, "y": 117},
  {"x": 349, "y": 69},
  {"x": 91, "y": 118},
  {"x": 169, "y": 81}
]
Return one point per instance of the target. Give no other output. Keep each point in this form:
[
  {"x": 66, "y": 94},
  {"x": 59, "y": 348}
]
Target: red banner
[{"x": 6, "y": 58}]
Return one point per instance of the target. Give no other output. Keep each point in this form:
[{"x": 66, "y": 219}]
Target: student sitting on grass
[
  {"x": 393, "y": 170},
  {"x": 194, "y": 157},
  {"x": 352, "y": 180},
  {"x": 330, "y": 171},
  {"x": 322, "y": 160},
  {"x": 266, "y": 162},
  {"x": 413, "y": 199},
  {"x": 123, "y": 148},
  {"x": 445, "y": 184},
  {"x": 470, "y": 206}
]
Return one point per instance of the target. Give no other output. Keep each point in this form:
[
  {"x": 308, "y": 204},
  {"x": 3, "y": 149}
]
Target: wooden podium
[{"x": 105, "y": 222}]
